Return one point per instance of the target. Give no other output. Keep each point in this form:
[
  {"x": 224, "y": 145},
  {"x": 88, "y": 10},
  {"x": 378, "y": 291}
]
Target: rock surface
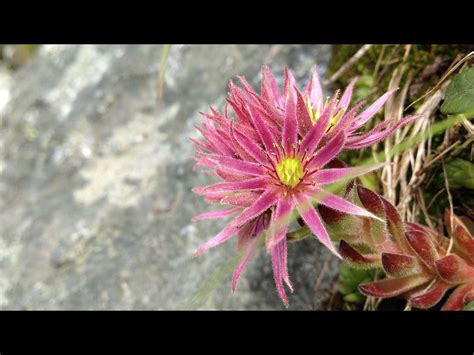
[{"x": 95, "y": 181}]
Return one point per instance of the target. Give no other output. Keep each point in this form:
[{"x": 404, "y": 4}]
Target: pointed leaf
[
  {"x": 424, "y": 247},
  {"x": 430, "y": 297},
  {"x": 356, "y": 259},
  {"x": 393, "y": 287},
  {"x": 460, "y": 296},
  {"x": 454, "y": 269},
  {"x": 399, "y": 265}
]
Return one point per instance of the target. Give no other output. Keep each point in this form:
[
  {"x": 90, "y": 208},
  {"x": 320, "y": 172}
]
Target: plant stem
[{"x": 298, "y": 234}]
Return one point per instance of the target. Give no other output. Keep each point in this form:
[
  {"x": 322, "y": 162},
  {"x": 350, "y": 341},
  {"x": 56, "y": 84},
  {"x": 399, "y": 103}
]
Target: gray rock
[{"x": 96, "y": 176}]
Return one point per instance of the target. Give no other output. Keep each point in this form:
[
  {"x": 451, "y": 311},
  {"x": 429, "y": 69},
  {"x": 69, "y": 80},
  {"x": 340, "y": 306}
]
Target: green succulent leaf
[
  {"x": 469, "y": 306},
  {"x": 349, "y": 281},
  {"x": 460, "y": 95},
  {"x": 355, "y": 297}
]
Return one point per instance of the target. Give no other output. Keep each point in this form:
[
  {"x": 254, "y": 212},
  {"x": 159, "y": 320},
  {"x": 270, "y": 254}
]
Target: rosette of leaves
[{"x": 420, "y": 264}]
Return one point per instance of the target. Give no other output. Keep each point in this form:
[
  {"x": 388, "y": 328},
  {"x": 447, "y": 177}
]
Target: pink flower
[{"x": 273, "y": 159}]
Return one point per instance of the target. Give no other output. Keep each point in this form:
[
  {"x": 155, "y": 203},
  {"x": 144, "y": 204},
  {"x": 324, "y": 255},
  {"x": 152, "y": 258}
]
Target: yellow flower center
[
  {"x": 290, "y": 171},
  {"x": 314, "y": 114}
]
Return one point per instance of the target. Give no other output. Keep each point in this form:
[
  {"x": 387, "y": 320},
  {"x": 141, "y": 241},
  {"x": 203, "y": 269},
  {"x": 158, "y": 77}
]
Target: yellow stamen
[
  {"x": 315, "y": 114},
  {"x": 334, "y": 120},
  {"x": 290, "y": 171}
]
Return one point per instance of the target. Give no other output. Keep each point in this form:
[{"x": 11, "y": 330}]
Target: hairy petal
[
  {"x": 250, "y": 147},
  {"x": 288, "y": 83},
  {"x": 278, "y": 274},
  {"x": 316, "y": 133},
  {"x": 259, "y": 183},
  {"x": 328, "y": 176},
  {"x": 280, "y": 223},
  {"x": 266, "y": 136},
  {"x": 270, "y": 90},
  {"x": 313, "y": 89},
  {"x": 290, "y": 128},
  {"x": 215, "y": 214},
  {"x": 240, "y": 166},
  {"x": 284, "y": 263},
  {"x": 228, "y": 232},
  {"x": 346, "y": 97},
  {"x": 249, "y": 249},
  {"x": 374, "y": 137},
  {"x": 264, "y": 202},
  {"x": 304, "y": 120},
  {"x": 373, "y": 109},
  {"x": 338, "y": 203},
  {"x": 329, "y": 151},
  {"x": 241, "y": 199},
  {"x": 313, "y": 221}
]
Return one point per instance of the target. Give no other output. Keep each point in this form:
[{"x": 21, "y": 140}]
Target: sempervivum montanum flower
[{"x": 272, "y": 157}]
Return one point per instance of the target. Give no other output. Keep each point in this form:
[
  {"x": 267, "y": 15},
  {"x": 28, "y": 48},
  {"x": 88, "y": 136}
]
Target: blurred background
[
  {"x": 96, "y": 178},
  {"x": 96, "y": 171}
]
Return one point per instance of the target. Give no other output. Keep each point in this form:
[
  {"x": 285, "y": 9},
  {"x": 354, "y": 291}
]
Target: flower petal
[
  {"x": 242, "y": 199},
  {"x": 228, "y": 232},
  {"x": 280, "y": 222},
  {"x": 373, "y": 109},
  {"x": 250, "y": 147},
  {"x": 284, "y": 263},
  {"x": 338, "y": 203},
  {"x": 277, "y": 274},
  {"x": 290, "y": 128},
  {"x": 259, "y": 183},
  {"x": 373, "y": 136},
  {"x": 313, "y": 221},
  {"x": 346, "y": 97},
  {"x": 215, "y": 214},
  {"x": 264, "y": 202},
  {"x": 313, "y": 89},
  {"x": 328, "y": 176},
  {"x": 316, "y": 133},
  {"x": 249, "y": 249},
  {"x": 270, "y": 90},
  {"x": 302, "y": 114},
  {"x": 329, "y": 151},
  {"x": 289, "y": 82},
  {"x": 266, "y": 136},
  {"x": 240, "y": 166}
]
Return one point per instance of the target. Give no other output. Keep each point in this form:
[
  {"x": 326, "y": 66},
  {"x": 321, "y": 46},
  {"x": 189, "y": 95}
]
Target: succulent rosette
[
  {"x": 273, "y": 157},
  {"x": 420, "y": 264}
]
